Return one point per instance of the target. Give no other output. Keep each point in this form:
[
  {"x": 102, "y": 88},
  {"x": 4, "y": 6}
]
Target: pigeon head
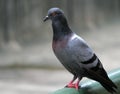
[
  {"x": 59, "y": 23},
  {"x": 53, "y": 14}
]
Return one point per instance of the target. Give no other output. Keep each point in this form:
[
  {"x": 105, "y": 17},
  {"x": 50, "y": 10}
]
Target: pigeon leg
[
  {"x": 77, "y": 84},
  {"x": 71, "y": 85}
]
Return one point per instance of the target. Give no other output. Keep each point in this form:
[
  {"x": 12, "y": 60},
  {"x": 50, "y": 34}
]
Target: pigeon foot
[{"x": 76, "y": 86}]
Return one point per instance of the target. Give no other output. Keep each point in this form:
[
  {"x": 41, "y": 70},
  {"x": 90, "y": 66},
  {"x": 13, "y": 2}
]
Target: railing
[{"x": 92, "y": 87}]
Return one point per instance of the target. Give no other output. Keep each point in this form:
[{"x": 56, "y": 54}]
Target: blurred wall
[
  {"x": 21, "y": 20},
  {"x": 25, "y": 40}
]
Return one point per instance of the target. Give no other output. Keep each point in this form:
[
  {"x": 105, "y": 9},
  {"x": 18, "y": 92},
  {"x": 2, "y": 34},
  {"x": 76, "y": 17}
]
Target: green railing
[{"x": 92, "y": 87}]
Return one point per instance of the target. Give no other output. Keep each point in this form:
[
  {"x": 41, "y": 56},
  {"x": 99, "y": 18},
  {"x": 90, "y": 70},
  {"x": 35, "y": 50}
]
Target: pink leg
[
  {"x": 71, "y": 85},
  {"x": 77, "y": 84}
]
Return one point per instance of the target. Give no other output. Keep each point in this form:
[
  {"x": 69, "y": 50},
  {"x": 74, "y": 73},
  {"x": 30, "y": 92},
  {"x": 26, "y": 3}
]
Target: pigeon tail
[
  {"x": 102, "y": 78},
  {"x": 110, "y": 87}
]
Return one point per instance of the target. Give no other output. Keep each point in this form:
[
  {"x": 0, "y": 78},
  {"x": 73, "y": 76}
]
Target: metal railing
[{"x": 92, "y": 87}]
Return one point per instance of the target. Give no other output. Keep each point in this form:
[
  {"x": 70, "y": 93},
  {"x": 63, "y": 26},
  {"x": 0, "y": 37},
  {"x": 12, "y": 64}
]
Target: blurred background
[{"x": 27, "y": 63}]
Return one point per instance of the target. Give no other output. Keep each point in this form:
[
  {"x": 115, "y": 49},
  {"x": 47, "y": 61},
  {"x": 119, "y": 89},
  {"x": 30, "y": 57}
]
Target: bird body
[
  {"x": 75, "y": 54},
  {"x": 71, "y": 51}
]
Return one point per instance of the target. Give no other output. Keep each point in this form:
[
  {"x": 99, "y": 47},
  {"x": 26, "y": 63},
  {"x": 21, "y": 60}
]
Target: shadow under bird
[{"x": 75, "y": 54}]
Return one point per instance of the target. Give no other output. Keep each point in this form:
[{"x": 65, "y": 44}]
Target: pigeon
[{"x": 75, "y": 54}]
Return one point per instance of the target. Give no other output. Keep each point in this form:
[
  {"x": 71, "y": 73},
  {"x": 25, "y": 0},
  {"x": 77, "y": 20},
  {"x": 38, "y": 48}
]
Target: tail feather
[
  {"x": 108, "y": 88},
  {"x": 102, "y": 78}
]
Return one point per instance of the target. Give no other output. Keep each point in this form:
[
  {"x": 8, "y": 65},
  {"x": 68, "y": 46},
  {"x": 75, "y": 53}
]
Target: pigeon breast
[{"x": 72, "y": 50}]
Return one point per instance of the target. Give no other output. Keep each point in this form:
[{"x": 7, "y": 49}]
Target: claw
[
  {"x": 76, "y": 85},
  {"x": 71, "y": 86}
]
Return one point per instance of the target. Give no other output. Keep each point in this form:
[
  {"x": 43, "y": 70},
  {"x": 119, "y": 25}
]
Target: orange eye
[{"x": 54, "y": 13}]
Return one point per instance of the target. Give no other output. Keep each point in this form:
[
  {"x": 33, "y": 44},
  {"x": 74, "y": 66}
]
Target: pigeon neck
[{"x": 60, "y": 29}]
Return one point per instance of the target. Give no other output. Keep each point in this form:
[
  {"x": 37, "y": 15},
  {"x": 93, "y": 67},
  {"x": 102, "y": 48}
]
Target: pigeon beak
[{"x": 46, "y": 18}]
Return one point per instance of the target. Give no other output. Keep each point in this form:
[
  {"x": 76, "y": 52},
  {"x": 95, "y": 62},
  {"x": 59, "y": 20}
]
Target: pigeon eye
[{"x": 54, "y": 14}]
